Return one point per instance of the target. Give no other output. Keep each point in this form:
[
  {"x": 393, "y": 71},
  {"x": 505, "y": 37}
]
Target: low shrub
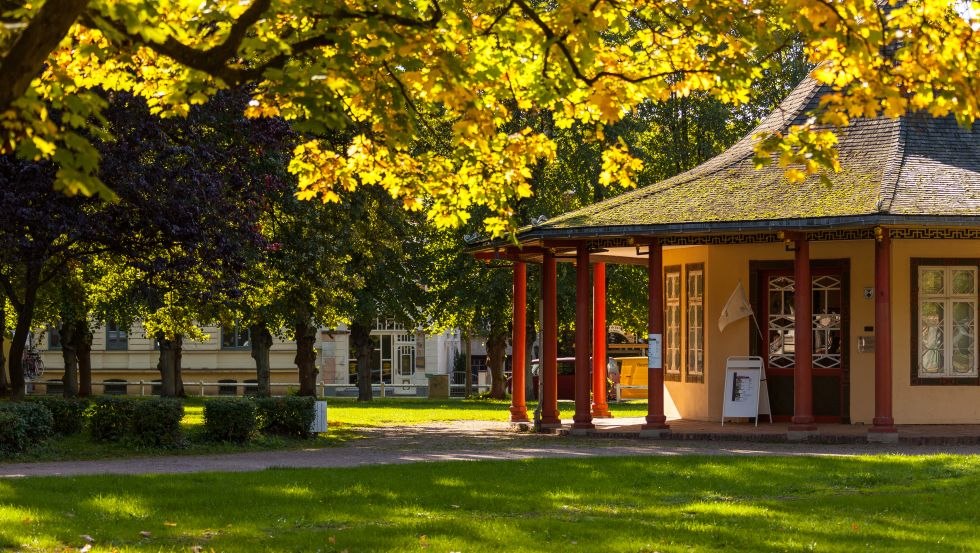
[
  {"x": 23, "y": 425},
  {"x": 68, "y": 414},
  {"x": 286, "y": 416},
  {"x": 229, "y": 420},
  {"x": 156, "y": 422},
  {"x": 110, "y": 419}
]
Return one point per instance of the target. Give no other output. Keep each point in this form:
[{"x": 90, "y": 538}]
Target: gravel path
[{"x": 460, "y": 441}]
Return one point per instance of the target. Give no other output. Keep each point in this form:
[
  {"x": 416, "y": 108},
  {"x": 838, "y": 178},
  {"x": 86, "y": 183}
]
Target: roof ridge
[
  {"x": 893, "y": 169},
  {"x": 791, "y": 107}
]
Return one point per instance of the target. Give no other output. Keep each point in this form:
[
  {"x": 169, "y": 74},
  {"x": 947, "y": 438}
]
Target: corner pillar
[
  {"x": 549, "y": 342},
  {"x": 883, "y": 429},
  {"x": 600, "y": 407},
  {"x": 802, "y": 422},
  {"x": 518, "y": 402},
  {"x": 656, "y": 422},
  {"x": 583, "y": 335}
]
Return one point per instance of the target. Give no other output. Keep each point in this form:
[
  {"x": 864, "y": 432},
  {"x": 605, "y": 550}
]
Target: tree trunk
[
  {"x": 306, "y": 358},
  {"x": 467, "y": 362},
  {"x": 496, "y": 359},
  {"x": 4, "y": 382},
  {"x": 169, "y": 366},
  {"x": 360, "y": 342},
  {"x": 69, "y": 343},
  {"x": 261, "y": 340},
  {"x": 83, "y": 350},
  {"x": 17, "y": 347}
]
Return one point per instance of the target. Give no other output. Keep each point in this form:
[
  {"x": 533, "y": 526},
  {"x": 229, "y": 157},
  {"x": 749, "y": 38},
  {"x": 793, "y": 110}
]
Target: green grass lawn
[{"x": 884, "y": 503}]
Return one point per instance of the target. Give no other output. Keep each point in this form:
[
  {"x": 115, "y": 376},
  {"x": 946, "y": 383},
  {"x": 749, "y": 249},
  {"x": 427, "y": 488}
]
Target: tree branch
[{"x": 25, "y": 59}]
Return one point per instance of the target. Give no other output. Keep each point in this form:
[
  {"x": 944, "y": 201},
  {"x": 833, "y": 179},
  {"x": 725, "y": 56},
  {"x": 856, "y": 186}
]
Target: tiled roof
[{"x": 914, "y": 165}]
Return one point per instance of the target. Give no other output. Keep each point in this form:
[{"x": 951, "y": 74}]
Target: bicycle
[{"x": 32, "y": 363}]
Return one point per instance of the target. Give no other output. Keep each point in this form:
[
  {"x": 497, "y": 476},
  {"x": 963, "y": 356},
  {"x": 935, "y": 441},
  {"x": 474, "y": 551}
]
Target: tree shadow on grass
[{"x": 596, "y": 504}]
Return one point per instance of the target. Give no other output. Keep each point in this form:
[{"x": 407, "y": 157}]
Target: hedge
[
  {"x": 110, "y": 419},
  {"x": 229, "y": 420},
  {"x": 23, "y": 425},
  {"x": 287, "y": 416},
  {"x": 156, "y": 422},
  {"x": 68, "y": 414}
]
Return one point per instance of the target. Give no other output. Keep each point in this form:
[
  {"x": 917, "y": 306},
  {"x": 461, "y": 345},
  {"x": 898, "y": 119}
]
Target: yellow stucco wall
[
  {"x": 924, "y": 404},
  {"x": 727, "y": 265},
  {"x": 690, "y": 399}
]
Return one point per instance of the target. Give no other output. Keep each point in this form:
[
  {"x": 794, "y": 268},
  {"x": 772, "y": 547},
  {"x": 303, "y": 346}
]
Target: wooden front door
[{"x": 829, "y": 329}]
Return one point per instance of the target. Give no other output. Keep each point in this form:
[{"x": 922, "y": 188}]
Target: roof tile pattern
[{"x": 915, "y": 165}]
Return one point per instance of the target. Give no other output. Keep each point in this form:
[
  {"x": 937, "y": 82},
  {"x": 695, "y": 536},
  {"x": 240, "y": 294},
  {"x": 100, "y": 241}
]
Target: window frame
[
  {"x": 54, "y": 339},
  {"x": 675, "y": 374},
  {"x": 116, "y": 344},
  {"x": 695, "y": 377},
  {"x": 916, "y": 379},
  {"x": 238, "y": 331}
]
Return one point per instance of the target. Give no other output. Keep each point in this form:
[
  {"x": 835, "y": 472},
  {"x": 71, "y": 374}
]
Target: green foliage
[
  {"x": 23, "y": 426},
  {"x": 287, "y": 416},
  {"x": 156, "y": 422},
  {"x": 13, "y": 432},
  {"x": 110, "y": 419},
  {"x": 68, "y": 414},
  {"x": 230, "y": 420}
]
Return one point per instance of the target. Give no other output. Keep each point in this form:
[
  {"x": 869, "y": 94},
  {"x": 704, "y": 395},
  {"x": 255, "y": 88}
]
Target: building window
[
  {"x": 54, "y": 338},
  {"x": 672, "y": 323},
  {"x": 116, "y": 338},
  {"x": 227, "y": 387},
  {"x": 694, "y": 369},
  {"x": 235, "y": 337},
  {"x": 944, "y": 321},
  {"x": 114, "y": 387}
]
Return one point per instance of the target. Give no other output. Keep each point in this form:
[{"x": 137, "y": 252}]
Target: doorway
[{"x": 774, "y": 292}]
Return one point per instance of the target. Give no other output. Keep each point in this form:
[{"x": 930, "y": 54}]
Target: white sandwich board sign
[{"x": 746, "y": 393}]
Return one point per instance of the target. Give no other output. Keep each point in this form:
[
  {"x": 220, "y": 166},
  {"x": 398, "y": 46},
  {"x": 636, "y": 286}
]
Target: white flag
[{"x": 737, "y": 308}]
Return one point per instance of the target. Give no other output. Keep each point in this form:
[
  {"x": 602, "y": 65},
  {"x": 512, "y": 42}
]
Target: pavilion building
[{"x": 880, "y": 268}]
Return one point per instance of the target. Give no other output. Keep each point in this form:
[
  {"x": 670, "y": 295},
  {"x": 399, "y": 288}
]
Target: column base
[
  {"x": 550, "y": 421},
  {"x": 654, "y": 431},
  {"x": 801, "y": 432},
  {"x": 883, "y": 435},
  {"x": 601, "y": 412},
  {"x": 518, "y": 414}
]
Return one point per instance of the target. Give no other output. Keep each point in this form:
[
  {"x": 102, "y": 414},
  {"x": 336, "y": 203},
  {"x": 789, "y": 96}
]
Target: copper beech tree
[{"x": 386, "y": 67}]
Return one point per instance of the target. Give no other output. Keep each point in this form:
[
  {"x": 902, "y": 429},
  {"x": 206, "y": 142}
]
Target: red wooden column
[
  {"x": 802, "y": 420},
  {"x": 600, "y": 409},
  {"x": 656, "y": 423},
  {"x": 583, "y": 340},
  {"x": 884, "y": 425},
  {"x": 518, "y": 403},
  {"x": 549, "y": 342}
]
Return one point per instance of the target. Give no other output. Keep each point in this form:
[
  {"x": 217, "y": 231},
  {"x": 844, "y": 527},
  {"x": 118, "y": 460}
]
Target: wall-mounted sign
[{"x": 655, "y": 359}]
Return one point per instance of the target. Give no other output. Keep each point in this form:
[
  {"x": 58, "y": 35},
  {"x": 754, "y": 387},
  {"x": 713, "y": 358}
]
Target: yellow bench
[{"x": 633, "y": 372}]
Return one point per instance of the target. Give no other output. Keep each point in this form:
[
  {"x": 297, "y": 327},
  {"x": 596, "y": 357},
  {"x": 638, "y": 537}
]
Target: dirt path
[{"x": 462, "y": 441}]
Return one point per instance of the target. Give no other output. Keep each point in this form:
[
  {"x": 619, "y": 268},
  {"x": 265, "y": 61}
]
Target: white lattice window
[
  {"x": 695, "y": 323},
  {"x": 947, "y": 315},
  {"x": 672, "y": 323}
]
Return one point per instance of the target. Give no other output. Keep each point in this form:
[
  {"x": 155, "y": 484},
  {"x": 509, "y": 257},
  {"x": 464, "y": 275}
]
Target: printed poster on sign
[{"x": 655, "y": 351}]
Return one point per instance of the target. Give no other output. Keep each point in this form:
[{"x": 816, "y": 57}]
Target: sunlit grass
[
  {"x": 399, "y": 411},
  {"x": 692, "y": 503}
]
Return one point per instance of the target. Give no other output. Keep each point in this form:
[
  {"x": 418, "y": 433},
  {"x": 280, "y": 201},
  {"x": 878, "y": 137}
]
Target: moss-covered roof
[{"x": 911, "y": 166}]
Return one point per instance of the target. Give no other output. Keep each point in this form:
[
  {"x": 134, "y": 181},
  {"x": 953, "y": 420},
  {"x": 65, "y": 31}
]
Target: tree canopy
[{"x": 383, "y": 69}]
